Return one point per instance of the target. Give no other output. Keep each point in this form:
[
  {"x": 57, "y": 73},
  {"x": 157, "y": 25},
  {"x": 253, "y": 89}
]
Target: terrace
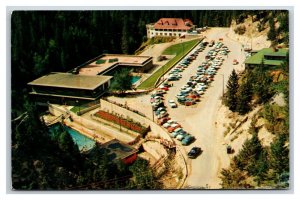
[{"x": 107, "y": 62}]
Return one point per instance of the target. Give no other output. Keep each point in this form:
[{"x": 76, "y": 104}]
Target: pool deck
[
  {"x": 95, "y": 130},
  {"x": 94, "y": 135}
]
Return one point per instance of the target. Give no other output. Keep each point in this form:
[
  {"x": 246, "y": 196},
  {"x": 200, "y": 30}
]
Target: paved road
[{"x": 199, "y": 119}]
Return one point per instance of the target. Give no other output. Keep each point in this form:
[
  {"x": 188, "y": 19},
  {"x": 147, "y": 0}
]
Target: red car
[
  {"x": 235, "y": 62},
  {"x": 163, "y": 120},
  {"x": 189, "y": 103},
  {"x": 164, "y": 88},
  {"x": 172, "y": 128}
]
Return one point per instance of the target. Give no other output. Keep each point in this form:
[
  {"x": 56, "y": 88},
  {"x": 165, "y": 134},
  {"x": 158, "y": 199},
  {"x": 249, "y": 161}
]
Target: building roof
[
  {"x": 68, "y": 80},
  {"x": 118, "y": 150},
  {"x": 259, "y": 56},
  {"x": 173, "y": 23},
  {"x": 106, "y": 62}
]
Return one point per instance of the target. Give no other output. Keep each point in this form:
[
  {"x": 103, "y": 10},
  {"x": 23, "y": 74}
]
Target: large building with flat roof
[
  {"x": 107, "y": 62},
  {"x": 269, "y": 56},
  {"x": 68, "y": 88},
  {"x": 175, "y": 27}
]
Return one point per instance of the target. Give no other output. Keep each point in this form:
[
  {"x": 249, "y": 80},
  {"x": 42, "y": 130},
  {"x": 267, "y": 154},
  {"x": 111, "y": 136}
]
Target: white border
[{"x": 89, "y": 4}]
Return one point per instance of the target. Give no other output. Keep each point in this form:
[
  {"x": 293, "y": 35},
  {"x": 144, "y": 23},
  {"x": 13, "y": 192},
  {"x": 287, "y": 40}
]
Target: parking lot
[{"x": 199, "y": 119}]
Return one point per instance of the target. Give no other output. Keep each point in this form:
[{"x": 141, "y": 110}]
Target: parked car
[
  {"x": 167, "y": 125},
  {"x": 189, "y": 103},
  {"x": 163, "y": 120},
  {"x": 160, "y": 91},
  {"x": 181, "y": 135},
  {"x": 165, "y": 88},
  {"x": 155, "y": 106},
  {"x": 162, "y": 114},
  {"x": 172, "y": 128},
  {"x": 172, "y": 79},
  {"x": 187, "y": 140},
  {"x": 194, "y": 152},
  {"x": 235, "y": 62},
  {"x": 172, "y": 104},
  {"x": 174, "y": 134}
]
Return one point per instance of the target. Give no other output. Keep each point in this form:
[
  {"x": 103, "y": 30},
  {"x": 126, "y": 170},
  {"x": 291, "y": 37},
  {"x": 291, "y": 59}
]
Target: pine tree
[
  {"x": 143, "y": 176},
  {"x": 272, "y": 31},
  {"x": 248, "y": 156},
  {"x": 244, "y": 97},
  {"x": 262, "y": 81},
  {"x": 232, "y": 88},
  {"x": 121, "y": 81},
  {"x": 279, "y": 156}
]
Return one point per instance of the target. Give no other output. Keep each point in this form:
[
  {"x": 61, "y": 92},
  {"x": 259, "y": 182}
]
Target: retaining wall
[{"x": 157, "y": 130}]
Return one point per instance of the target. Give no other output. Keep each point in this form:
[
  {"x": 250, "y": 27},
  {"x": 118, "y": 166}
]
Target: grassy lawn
[
  {"x": 179, "y": 50},
  {"x": 76, "y": 109}
]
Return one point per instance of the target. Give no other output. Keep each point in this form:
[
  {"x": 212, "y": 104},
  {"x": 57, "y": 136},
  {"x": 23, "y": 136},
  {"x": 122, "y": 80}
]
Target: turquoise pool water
[
  {"x": 134, "y": 79},
  {"x": 84, "y": 143}
]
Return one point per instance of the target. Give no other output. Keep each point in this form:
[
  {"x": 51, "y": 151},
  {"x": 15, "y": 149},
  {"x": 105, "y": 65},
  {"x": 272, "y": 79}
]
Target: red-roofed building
[{"x": 176, "y": 27}]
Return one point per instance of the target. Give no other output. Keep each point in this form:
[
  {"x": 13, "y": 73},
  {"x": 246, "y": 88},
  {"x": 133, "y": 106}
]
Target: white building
[{"x": 176, "y": 27}]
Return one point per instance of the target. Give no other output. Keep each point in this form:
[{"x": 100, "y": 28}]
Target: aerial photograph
[{"x": 149, "y": 100}]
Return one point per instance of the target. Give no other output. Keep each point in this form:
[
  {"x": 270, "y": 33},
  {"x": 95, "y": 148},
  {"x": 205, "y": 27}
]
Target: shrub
[
  {"x": 240, "y": 29},
  {"x": 100, "y": 61}
]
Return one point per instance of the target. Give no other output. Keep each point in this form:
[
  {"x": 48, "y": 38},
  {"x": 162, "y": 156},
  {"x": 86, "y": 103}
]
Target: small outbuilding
[{"x": 271, "y": 57}]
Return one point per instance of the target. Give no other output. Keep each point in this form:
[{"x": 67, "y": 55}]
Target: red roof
[{"x": 173, "y": 23}]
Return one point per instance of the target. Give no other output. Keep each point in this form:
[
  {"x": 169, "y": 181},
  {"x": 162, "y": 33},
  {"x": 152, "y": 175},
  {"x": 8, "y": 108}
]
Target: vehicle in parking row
[
  {"x": 181, "y": 135},
  {"x": 187, "y": 140},
  {"x": 162, "y": 120},
  {"x": 172, "y": 103},
  {"x": 162, "y": 114},
  {"x": 173, "y": 127},
  {"x": 176, "y": 132}
]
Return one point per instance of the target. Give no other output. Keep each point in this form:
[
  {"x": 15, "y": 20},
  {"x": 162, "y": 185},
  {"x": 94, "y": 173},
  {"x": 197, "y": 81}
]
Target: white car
[
  {"x": 173, "y": 105},
  {"x": 161, "y": 109},
  {"x": 180, "y": 137},
  {"x": 200, "y": 84},
  {"x": 200, "y": 88},
  {"x": 171, "y": 121},
  {"x": 171, "y": 101},
  {"x": 174, "y": 125},
  {"x": 200, "y": 92},
  {"x": 166, "y": 125}
]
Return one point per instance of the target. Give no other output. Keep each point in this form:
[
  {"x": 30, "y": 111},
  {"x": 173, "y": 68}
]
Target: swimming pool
[
  {"x": 84, "y": 143},
  {"x": 134, "y": 79}
]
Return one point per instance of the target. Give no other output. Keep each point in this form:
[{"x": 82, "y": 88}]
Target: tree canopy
[{"x": 232, "y": 88}]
